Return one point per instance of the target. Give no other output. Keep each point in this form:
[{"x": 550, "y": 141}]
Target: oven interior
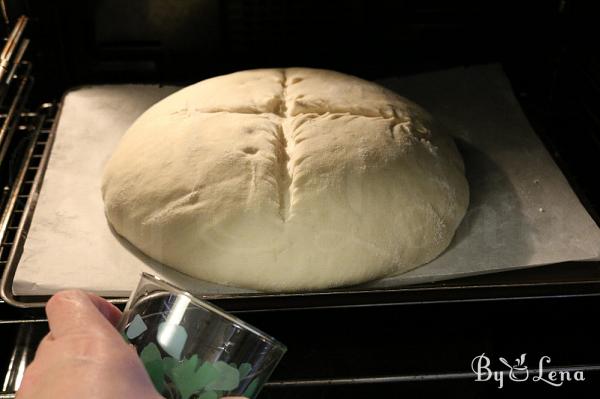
[{"x": 546, "y": 49}]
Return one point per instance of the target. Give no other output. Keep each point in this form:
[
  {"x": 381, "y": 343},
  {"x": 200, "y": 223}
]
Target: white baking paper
[{"x": 522, "y": 213}]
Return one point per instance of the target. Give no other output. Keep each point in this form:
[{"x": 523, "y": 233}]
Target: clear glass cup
[{"x": 194, "y": 350}]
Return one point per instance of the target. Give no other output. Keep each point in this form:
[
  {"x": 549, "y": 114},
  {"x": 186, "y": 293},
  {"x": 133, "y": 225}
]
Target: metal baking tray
[{"x": 566, "y": 279}]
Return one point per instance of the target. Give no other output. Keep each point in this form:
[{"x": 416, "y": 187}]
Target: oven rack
[
  {"x": 38, "y": 129},
  {"x": 40, "y": 126},
  {"x": 549, "y": 281}
]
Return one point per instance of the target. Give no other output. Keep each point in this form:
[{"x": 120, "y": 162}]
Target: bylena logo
[{"x": 519, "y": 372}]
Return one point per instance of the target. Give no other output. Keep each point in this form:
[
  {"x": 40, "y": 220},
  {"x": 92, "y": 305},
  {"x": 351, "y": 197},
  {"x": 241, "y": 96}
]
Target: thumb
[{"x": 75, "y": 312}]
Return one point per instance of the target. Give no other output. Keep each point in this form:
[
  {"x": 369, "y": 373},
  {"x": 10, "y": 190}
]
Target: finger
[{"x": 75, "y": 312}]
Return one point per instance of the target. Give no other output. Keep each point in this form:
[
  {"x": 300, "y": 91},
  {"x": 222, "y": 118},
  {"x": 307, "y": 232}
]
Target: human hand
[{"x": 83, "y": 355}]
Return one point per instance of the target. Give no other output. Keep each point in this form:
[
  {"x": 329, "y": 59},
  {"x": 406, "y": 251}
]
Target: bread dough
[{"x": 286, "y": 179}]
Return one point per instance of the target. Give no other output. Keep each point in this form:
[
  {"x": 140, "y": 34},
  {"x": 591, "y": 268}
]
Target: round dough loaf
[{"x": 286, "y": 179}]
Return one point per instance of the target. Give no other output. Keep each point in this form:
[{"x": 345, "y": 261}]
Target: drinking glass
[{"x": 193, "y": 349}]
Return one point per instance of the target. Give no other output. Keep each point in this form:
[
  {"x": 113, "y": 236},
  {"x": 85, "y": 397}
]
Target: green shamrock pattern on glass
[{"x": 190, "y": 378}]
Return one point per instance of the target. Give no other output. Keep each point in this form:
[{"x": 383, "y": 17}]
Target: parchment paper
[{"x": 522, "y": 213}]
